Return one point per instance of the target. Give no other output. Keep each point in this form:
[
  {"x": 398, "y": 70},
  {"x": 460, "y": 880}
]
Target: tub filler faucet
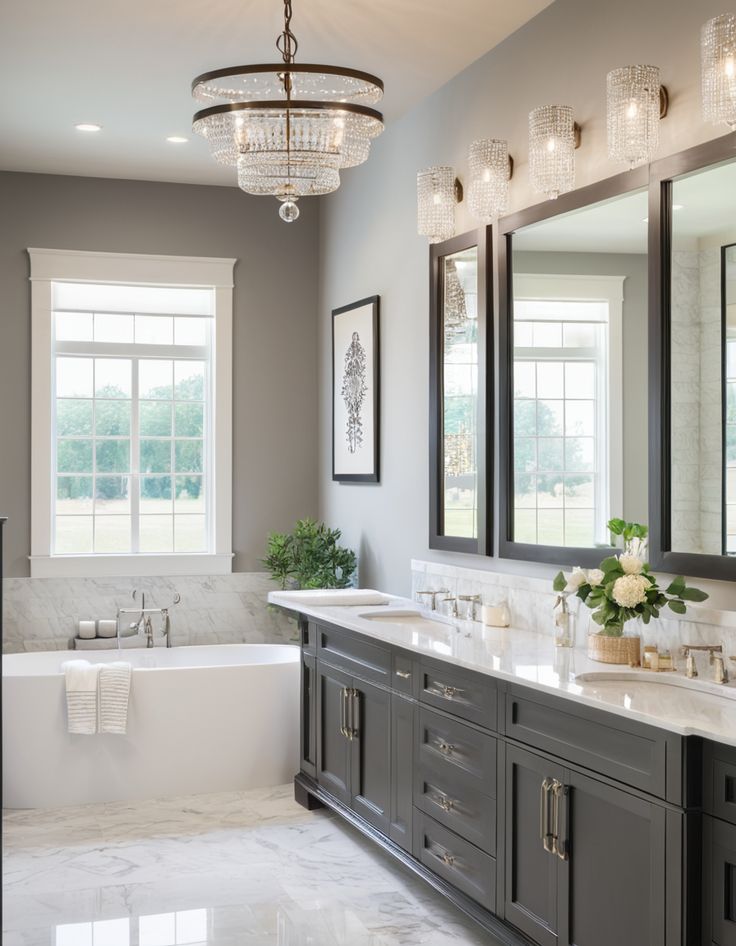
[{"x": 144, "y": 622}]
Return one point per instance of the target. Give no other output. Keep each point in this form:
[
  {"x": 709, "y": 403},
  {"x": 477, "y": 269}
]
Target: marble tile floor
[{"x": 235, "y": 869}]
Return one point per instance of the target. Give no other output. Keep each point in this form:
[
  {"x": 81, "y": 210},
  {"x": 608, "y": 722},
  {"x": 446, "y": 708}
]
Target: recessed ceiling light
[
  {"x": 88, "y": 126},
  {"x": 177, "y": 140}
]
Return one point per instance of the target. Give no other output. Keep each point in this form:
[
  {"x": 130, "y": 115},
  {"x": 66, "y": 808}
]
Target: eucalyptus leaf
[
  {"x": 559, "y": 582},
  {"x": 677, "y": 606},
  {"x": 693, "y": 594}
]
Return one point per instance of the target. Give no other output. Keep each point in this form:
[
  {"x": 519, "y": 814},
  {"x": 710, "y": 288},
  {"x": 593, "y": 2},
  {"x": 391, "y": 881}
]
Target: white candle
[{"x": 495, "y": 615}]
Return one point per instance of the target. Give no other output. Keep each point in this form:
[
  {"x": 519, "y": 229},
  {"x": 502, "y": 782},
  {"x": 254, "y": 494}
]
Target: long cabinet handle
[
  {"x": 560, "y": 795},
  {"x": 548, "y": 838},
  {"x": 343, "y": 712},
  {"x": 355, "y": 714}
]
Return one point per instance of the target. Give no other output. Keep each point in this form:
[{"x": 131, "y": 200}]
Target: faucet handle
[{"x": 720, "y": 674}]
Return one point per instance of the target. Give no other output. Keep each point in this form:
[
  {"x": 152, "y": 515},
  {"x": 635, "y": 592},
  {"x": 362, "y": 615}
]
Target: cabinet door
[
  {"x": 403, "y": 713},
  {"x": 333, "y": 746},
  {"x": 612, "y": 882},
  {"x": 370, "y": 749},
  {"x": 719, "y": 902},
  {"x": 530, "y": 898},
  {"x": 308, "y": 732}
]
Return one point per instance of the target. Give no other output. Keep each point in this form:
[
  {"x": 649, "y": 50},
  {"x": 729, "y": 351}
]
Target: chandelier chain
[{"x": 287, "y": 44}]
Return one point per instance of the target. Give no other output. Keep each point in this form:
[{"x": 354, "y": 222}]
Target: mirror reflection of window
[
  {"x": 460, "y": 393},
  {"x": 567, "y": 426},
  {"x": 702, "y": 362},
  {"x": 579, "y": 373}
]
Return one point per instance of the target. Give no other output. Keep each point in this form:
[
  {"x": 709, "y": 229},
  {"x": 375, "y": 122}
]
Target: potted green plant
[
  {"x": 310, "y": 557},
  {"x": 623, "y": 594}
]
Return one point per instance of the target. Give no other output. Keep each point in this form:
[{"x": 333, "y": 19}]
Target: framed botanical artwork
[{"x": 355, "y": 392}]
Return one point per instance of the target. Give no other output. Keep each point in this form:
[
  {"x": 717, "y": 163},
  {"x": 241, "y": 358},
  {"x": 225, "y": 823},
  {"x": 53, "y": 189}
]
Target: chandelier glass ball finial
[
  {"x": 288, "y": 129},
  {"x": 288, "y": 211}
]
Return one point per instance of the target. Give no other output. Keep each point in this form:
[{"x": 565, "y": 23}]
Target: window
[
  {"x": 567, "y": 408},
  {"x": 133, "y": 428}
]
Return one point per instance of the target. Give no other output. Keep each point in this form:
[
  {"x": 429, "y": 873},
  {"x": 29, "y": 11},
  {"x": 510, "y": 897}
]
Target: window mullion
[{"x": 135, "y": 480}]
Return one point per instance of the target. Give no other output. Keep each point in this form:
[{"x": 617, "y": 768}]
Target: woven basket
[{"x": 615, "y": 650}]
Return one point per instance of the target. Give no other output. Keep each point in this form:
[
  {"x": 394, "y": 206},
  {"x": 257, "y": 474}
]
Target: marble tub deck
[{"x": 235, "y": 869}]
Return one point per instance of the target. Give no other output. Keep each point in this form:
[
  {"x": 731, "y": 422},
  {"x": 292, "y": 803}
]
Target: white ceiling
[{"x": 128, "y": 64}]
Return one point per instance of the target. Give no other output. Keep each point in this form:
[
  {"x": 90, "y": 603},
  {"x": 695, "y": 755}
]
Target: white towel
[
  {"x": 81, "y": 696},
  {"x": 338, "y": 597},
  {"x": 114, "y": 693}
]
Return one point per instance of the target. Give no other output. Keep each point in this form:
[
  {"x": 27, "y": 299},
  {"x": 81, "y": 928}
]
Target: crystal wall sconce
[
  {"x": 491, "y": 168},
  {"x": 636, "y": 101},
  {"x": 718, "y": 69},
  {"x": 553, "y": 138},
  {"x": 438, "y": 191}
]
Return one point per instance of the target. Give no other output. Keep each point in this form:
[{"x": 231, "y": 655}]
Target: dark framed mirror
[
  {"x": 460, "y": 386},
  {"x": 693, "y": 361},
  {"x": 573, "y": 279}
]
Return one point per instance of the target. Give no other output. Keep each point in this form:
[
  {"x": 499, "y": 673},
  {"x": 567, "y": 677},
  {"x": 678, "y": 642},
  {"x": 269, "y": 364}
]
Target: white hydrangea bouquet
[{"x": 624, "y": 588}]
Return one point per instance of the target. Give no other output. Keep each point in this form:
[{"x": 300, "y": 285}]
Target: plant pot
[{"x": 615, "y": 650}]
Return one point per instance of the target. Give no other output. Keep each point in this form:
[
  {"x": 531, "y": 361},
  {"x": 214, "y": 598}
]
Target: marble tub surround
[
  {"x": 527, "y": 657},
  {"x": 42, "y": 613},
  {"x": 531, "y": 601},
  {"x": 237, "y": 869}
]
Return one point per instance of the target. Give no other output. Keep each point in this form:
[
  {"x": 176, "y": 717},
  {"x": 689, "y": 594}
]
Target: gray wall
[
  {"x": 634, "y": 267},
  {"x": 274, "y": 334},
  {"x": 369, "y": 242}
]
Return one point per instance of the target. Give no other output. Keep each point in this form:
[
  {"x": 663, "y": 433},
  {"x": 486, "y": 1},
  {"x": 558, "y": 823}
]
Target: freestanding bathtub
[{"x": 200, "y": 719}]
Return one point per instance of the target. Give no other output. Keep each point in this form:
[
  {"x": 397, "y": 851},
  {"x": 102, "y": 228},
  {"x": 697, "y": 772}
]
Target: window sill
[{"x": 130, "y": 566}]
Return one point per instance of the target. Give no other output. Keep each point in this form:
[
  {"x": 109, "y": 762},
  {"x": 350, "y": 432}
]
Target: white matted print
[{"x": 355, "y": 392}]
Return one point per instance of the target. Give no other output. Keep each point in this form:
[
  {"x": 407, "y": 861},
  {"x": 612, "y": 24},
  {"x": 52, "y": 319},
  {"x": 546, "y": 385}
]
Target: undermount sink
[
  {"x": 639, "y": 679},
  {"x": 411, "y": 620}
]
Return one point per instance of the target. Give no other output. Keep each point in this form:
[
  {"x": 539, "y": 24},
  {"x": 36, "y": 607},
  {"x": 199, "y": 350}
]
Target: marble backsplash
[
  {"x": 531, "y": 601},
  {"x": 42, "y": 613}
]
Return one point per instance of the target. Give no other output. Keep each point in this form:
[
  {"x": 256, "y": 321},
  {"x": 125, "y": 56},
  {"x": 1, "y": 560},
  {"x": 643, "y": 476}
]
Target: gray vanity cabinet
[
  {"x": 531, "y": 872},
  {"x": 585, "y": 860},
  {"x": 370, "y": 754},
  {"x": 403, "y": 722},
  {"x": 333, "y": 746},
  {"x": 719, "y": 846}
]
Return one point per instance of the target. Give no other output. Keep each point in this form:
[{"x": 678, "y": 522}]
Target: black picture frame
[
  {"x": 662, "y": 176},
  {"x": 611, "y": 187},
  {"x": 438, "y": 538},
  {"x": 369, "y": 471}
]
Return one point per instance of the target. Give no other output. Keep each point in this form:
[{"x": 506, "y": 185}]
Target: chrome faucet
[
  {"x": 432, "y": 595},
  {"x": 470, "y": 602},
  {"x": 720, "y": 673},
  {"x": 144, "y": 623}
]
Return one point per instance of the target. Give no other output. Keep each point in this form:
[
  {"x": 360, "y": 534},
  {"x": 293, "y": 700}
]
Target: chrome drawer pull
[
  {"x": 404, "y": 674},
  {"x": 448, "y": 859},
  {"x": 547, "y": 836},
  {"x": 343, "y": 712},
  {"x": 446, "y": 748},
  {"x": 449, "y": 692},
  {"x": 447, "y": 804}
]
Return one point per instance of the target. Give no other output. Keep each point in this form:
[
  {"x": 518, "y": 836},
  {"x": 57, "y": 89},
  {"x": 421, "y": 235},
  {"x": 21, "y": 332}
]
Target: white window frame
[
  {"x": 50, "y": 266},
  {"x": 560, "y": 287}
]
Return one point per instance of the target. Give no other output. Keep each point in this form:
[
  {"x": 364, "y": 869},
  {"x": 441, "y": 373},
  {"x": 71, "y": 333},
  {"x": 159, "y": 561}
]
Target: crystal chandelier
[
  {"x": 490, "y": 170},
  {"x": 636, "y": 101},
  {"x": 718, "y": 62},
  {"x": 553, "y": 137},
  {"x": 289, "y": 129}
]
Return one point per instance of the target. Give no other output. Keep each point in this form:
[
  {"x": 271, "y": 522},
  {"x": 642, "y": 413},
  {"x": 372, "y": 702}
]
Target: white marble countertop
[{"x": 668, "y": 700}]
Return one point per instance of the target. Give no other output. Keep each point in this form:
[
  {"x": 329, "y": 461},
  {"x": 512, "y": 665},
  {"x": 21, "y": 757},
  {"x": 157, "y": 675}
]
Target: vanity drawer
[
  {"x": 354, "y": 654},
  {"x": 631, "y": 752},
  {"x": 456, "y": 753},
  {"x": 720, "y": 782},
  {"x": 403, "y": 675},
  {"x": 455, "y": 860},
  {"x": 471, "y": 696},
  {"x": 452, "y": 802}
]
